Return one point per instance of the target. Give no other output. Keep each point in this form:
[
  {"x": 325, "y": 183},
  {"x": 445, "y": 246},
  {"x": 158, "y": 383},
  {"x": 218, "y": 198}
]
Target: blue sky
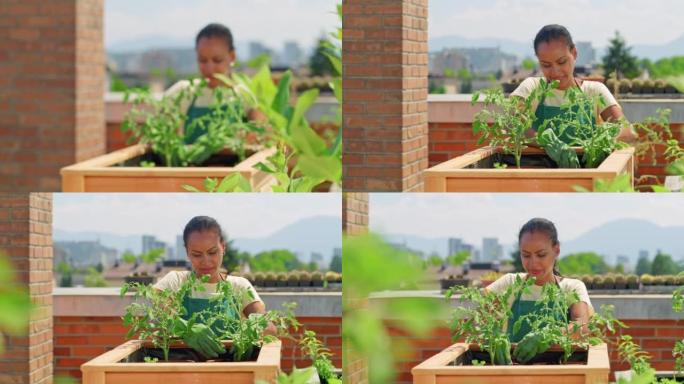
[
  {"x": 270, "y": 21},
  {"x": 474, "y": 216},
  {"x": 641, "y": 22},
  {"x": 242, "y": 215}
]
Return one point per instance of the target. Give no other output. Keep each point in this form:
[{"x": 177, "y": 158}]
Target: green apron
[
  {"x": 545, "y": 112},
  {"x": 194, "y": 112},
  {"x": 193, "y": 305},
  {"x": 523, "y": 307}
]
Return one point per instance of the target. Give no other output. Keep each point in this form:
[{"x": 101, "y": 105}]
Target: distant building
[
  {"x": 180, "y": 248},
  {"x": 457, "y": 245},
  {"x": 478, "y": 61},
  {"x": 586, "y": 54},
  {"x": 292, "y": 55},
  {"x": 317, "y": 258},
  {"x": 150, "y": 242},
  {"x": 624, "y": 261},
  {"x": 256, "y": 49},
  {"x": 491, "y": 249}
]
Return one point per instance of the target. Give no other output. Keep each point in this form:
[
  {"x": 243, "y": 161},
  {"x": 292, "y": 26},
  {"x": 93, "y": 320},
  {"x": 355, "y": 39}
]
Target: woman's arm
[
  {"x": 614, "y": 113},
  {"x": 260, "y": 308},
  {"x": 579, "y": 314}
]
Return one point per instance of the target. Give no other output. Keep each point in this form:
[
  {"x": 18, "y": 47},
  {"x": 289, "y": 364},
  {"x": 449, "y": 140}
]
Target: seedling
[
  {"x": 159, "y": 123},
  {"x": 318, "y": 354}
]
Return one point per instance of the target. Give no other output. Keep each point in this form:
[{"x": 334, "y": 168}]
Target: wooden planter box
[
  {"x": 106, "y": 174},
  {"x": 437, "y": 370},
  {"x": 107, "y": 368},
  {"x": 473, "y": 172}
]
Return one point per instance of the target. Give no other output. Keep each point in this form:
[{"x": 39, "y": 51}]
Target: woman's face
[
  {"x": 205, "y": 252},
  {"x": 538, "y": 255},
  {"x": 557, "y": 61},
  {"x": 213, "y": 56}
]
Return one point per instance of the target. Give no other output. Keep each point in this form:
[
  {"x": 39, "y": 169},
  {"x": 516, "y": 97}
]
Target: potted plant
[
  {"x": 509, "y": 164},
  {"x": 319, "y": 356},
  {"x": 317, "y": 279},
  {"x": 454, "y": 281},
  {"x": 270, "y": 279},
  {"x": 487, "y": 354},
  {"x": 609, "y": 282},
  {"x": 161, "y": 161},
  {"x": 304, "y": 279},
  {"x": 620, "y": 281},
  {"x": 281, "y": 279},
  {"x": 333, "y": 279},
  {"x": 259, "y": 278},
  {"x": 159, "y": 322},
  {"x": 588, "y": 281},
  {"x": 293, "y": 279},
  {"x": 149, "y": 257},
  {"x": 598, "y": 282},
  {"x": 632, "y": 281}
]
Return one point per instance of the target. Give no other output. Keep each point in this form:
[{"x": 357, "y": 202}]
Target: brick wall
[
  {"x": 355, "y": 213},
  {"x": 384, "y": 54},
  {"x": 52, "y": 81},
  {"x": 449, "y": 140},
  {"x": 79, "y": 339},
  {"x": 655, "y": 336},
  {"x": 26, "y": 238}
]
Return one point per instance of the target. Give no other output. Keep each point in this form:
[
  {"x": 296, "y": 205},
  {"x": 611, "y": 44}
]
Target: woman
[
  {"x": 205, "y": 246},
  {"x": 215, "y": 55},
  {"x": 539, "y": 250},
  {"x": 557, "y": 54}
]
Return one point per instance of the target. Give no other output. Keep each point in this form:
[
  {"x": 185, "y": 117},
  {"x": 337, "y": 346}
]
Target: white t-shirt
[
  {"x": 205, "y": 99},
  {"x": 590, "y": 88},
  {"x": 174, "y": 279},
  {"x": 566, "y": 284}
]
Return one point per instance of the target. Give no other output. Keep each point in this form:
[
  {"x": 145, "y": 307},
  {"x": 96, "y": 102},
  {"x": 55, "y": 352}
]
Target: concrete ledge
[
  {"x": 115, "y": 109},
  {"x": 632, "y": 307},
  {"x": 457, "y": 108},
  {"x": 105, "y": 302}
]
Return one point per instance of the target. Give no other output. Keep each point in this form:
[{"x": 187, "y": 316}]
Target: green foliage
[
  {"x": 643, "y": 265},
  {"x": 15, "y": 303},
  {"x": 318, "y": 354},
  {"x": 159, "y": 122},
  {"x": 319, "y": 63},
  {"x": 94, "y": 278},
  {"x": 517, "y": 261},
  {"x": 279, "y": 260},
  {"x": 529, "y": 64},
  {"x": 669, "y": 66},
  {"x": 621, "y": 183},
  {"x": 484, "y": 318},
  {"x": 363, "y": 327},
  {"x": 582, "y": 263},
  {"x": 458, "y": 258},
  {"x": 597, "y": 140},
  {"x": 336, "y": 264},
  {"x": 434, "y": 260},
  {"x": 157, "y": 314},
  {"x": 619, "y": 59},
  {"x": 631, "y": 353},
  {"x": 504, "y": 121},
  {"x": 66, "y": 274},
  {"x": 663, "y": 265}
]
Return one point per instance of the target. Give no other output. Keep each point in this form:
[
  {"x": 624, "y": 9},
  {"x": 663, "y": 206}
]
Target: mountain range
[
  {"x": 619, "y": 237},
  {"x": 320, "y": 234},
  {"x": 524, "y": 49}
]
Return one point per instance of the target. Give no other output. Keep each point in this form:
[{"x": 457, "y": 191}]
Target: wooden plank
[
  {"x": 453, "y": 176},
  {"x": 100, "y": 174},
  {"x": 179, "y": 378},
  {"x": 436, "y": 369}
]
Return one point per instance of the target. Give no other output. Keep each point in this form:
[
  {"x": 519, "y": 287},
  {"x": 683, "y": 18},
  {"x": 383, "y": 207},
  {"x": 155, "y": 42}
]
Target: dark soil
[
  {"x": 181, "y": 355},
  {"x": 216, "y": 160},
  {"x": 546, "y": 358},
  {"x": 534, "y": 161}
]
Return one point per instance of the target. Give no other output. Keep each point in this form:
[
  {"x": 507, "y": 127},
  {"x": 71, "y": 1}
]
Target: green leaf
[
  {"x": 320, "y": 167},
  {"x": 304, "y": 102},
  {"x": 282, "y": 97},
  {"x": 190, "y": 188}
]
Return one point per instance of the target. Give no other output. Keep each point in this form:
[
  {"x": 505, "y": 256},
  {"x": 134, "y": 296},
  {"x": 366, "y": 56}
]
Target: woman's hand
[{"x": 260, "y": 308}]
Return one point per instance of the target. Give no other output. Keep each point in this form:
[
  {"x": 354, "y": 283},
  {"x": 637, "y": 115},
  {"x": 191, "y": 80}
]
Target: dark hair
[
  {"x": 553, "y": 32},
  {"x": 539, "y": 224},
  {"x": 216, "y": 30},
  {"x": 201, "y": 224}
]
